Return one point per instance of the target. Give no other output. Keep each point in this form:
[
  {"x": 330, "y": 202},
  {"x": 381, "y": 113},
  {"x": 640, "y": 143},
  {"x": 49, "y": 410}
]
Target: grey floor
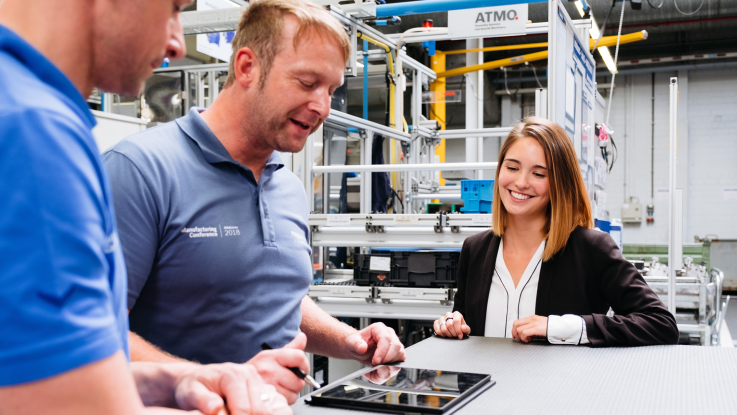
[{"x": 731, "y": 318}]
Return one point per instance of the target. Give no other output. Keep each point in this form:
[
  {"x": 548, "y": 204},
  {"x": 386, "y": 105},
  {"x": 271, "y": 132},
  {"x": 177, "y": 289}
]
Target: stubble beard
[{"x": 272, "y": 130}]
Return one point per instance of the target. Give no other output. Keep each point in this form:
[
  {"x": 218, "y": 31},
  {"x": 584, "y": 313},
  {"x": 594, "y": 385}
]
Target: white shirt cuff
[{"x": 567, "y": 329}]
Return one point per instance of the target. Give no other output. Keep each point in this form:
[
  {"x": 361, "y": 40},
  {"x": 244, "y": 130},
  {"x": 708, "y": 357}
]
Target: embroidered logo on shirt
[
  {"x": 231, "y": 231},
  {"x": 297, "y": 237},
  {"x": 197, "y": 232}
]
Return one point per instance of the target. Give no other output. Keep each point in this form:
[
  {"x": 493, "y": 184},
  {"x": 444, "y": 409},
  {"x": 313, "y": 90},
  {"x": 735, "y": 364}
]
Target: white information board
[
  {"x": 218, "y": 45},
  {"x": 488, "y": 21},
  {"x": 571, "y": 88}
]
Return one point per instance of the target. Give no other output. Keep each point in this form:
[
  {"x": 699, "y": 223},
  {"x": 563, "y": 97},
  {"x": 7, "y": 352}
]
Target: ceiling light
[
  {"x": 603, "y": 51},
  {"x": 594, "y": 30},
  {"x": 607, "y": 57},
  {"x": 579, "y": 6}
]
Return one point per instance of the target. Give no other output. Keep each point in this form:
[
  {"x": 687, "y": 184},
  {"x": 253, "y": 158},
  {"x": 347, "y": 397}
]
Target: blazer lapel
[
  {"x": 482, "y": 295},
  {"x": 544, "y": 286}
]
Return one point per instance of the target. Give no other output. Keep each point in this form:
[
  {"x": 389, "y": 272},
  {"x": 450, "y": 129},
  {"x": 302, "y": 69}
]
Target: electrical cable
[
  {"x": 396, "y": 197},
  {"x": 398, "y": 62},
  {"x": 615, "y": 153},
  {"x": 675, "y": 3},
  {"x": 390, "y": 74},
  {"x": 611, "y": 90},
  {"x": 504, "y": 69},
  {"x": 651, "y": 4},
  {"x": 535, "y": 72},
  {"x": 389, "y": 82},
  {"x": 473, "y": 90},
  {"x": 506, "y": 87}
]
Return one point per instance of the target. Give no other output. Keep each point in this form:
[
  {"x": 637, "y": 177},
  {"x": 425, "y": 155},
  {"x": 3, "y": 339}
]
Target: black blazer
[{"x": 585, "y": 278}]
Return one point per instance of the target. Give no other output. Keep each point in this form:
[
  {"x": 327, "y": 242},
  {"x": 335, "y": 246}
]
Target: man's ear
[{"x": 246, "y": 67}]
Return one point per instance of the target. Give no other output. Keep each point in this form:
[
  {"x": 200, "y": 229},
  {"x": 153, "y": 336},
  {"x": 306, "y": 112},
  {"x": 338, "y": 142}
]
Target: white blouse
[{"x": 508, "y": 303}]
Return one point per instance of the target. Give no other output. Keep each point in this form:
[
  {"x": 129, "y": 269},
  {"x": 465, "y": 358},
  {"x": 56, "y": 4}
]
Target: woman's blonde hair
[
  {"x": 261, "y": 29},
  {"x": 569, "y": 205}
]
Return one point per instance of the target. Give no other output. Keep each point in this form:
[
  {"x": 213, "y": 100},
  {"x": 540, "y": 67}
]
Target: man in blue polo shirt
[
  {"x": 214, "y": 229},
  {"x": 63, "y": 317}
]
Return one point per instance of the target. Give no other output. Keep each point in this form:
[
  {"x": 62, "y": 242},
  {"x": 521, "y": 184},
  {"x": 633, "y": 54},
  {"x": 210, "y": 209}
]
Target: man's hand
[
  {"x": 272, "y": 366},
  {"x": 204, "y": 387},
  {"x": 381, "y": 374},
  {"x": 374, "y": 345},
  {"x": 451, "y": 325},
  {"x": 530, "y": 328}
]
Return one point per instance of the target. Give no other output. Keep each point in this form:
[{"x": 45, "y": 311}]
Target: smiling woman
[
  {"x": 552, "y": 172},
  {"x": 542, "y": 272}
]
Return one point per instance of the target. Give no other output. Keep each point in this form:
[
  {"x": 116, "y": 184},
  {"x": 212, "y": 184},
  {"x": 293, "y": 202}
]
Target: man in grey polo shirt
[{"x": 214, "y": 229}]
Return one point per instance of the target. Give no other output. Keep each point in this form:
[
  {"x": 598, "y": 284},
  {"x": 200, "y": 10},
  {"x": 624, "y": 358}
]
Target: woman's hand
[
  {"x": 530, "y": 328},
  {"x": 451, "y": 325}
]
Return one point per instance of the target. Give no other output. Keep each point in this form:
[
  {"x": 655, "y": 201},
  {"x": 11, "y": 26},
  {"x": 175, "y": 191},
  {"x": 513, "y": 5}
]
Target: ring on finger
[
  {"x": 442, "y": 323},
  {"x": 449, "y": 318}
]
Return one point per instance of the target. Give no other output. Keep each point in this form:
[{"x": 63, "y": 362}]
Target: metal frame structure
[
  {"x": 442, "y": 35},
  {"x": 676, "y": 222},
  {"x": 422, "y": 140},
  {"x": 697, "y": 302},
  {"x": 423, "y": 230}
]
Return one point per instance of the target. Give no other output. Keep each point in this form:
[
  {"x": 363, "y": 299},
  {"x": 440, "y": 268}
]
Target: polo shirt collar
[
  {"x": 45, "y": 71},
  {"x": 212, "y": 149}
]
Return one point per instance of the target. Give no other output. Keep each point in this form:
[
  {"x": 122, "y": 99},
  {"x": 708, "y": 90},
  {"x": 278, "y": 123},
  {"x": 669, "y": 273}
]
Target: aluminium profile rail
[
  {"x": 387, "y": 295},
  {"x": 410, "y": 309},
  {"x": 392, "y": 237},
  {"x": 423, "y": 132},
  {"x": 475, "y": 133},
  {"x": 341, "y": 291},
  {"x": 346, "y": 120},
  {"x": 391, "y": 230},
  {"x": 382, "y": 219},
  {"x": 438, "y": 196},
  {"x": 374, "y": 168},
  {"x": 357, "y": 24},
  {"x": 226, "y": 20}
]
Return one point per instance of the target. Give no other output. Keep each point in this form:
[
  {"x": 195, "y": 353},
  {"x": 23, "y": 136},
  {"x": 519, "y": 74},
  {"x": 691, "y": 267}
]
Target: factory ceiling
[{"x": 710, "y": 30}]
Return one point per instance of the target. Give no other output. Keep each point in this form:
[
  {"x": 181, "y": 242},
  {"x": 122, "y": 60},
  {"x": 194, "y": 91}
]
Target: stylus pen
[{"x": 296, "y": 371}]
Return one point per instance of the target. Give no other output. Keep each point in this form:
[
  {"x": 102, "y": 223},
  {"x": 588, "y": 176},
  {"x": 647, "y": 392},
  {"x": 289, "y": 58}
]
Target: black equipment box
[
  {"x": 424, "y": 269},
  {"x": 372, "y": 269}
]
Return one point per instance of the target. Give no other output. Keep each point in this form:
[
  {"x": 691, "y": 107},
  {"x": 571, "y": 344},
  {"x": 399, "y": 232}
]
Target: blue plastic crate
[{"x": 477, "y": 195}]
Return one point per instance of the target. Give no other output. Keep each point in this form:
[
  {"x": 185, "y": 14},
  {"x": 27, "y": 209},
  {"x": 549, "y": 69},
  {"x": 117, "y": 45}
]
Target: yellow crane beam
[{"x": 531, "y": 57}]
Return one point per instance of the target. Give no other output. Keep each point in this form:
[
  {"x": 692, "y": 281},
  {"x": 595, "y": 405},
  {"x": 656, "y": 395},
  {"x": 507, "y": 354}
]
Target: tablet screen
[{"x": 401, "y": 388}]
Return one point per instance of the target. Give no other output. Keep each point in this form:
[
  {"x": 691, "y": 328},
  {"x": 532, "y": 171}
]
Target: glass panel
[{"x": 406, "y": 386}]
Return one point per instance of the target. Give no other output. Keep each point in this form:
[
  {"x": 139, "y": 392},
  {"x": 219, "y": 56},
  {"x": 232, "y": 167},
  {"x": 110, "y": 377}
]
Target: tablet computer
[{"x": 402, "y": 389}]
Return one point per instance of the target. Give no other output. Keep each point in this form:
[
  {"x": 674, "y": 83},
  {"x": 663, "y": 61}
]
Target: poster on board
[
  {"x": 571, "y": 83},
  {"x": 572, "y": 88}
]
